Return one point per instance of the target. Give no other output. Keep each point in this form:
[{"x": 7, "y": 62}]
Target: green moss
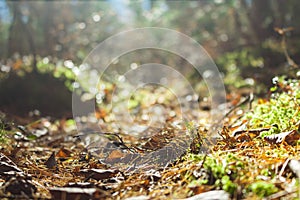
[
  {"x": 262, "y": 188},
  {"x": 228, "y": 185},
  {"x": 281, "y": 112},
  {"x": 223, "y": 170},
  {"x": 228, "y": 171}
]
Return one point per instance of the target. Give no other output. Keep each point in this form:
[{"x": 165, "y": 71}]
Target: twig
[
  {"x": 283, "y": 167},
  {"x": 281, "y": 194},
  {"x": 283, "y": 31},
  {"x": 249, "y": 98}
]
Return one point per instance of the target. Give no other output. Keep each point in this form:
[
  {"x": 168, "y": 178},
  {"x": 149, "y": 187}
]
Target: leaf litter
[{"x": 256, "y": 156}]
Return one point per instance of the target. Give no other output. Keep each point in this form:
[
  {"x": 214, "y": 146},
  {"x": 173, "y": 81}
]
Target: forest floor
[{"x": 255, "y": 156}]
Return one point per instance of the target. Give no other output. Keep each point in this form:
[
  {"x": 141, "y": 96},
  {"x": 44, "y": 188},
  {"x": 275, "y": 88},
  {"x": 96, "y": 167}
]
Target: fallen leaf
[
  {"x": 51, "y": 162},
  {"x": 80, "y": 184},
  {"x": 8, "y": 167},
  {"x": 19, "y": 185},
  {"x": 98, "y": 174},
  {"x": 289, "y": 137},
  {"x": 115, "y": 154},
  {"x": 63, "y": 153},
  {"x": 159, "y": 140}
]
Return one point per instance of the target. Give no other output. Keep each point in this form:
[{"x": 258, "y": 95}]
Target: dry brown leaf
[
  {"x": 7, "y": 166},
  {"x": 51, "y": 162},
  {"x": 290, "y": 137},
  {"x": 19, "y": 185},
  {"x": 98, "y": 174},
  {"x": 63, "y": 153}
]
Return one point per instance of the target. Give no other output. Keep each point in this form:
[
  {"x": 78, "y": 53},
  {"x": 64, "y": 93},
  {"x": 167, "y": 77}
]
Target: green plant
[
  {"x": 228, "y": 185},
  {"x": 262, "y": 188},
  {"x": 281, "y": 112},
  {"x": 223, "y": 171}
]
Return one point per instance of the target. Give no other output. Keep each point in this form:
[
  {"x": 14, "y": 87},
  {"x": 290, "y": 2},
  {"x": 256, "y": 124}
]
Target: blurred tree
[
  {"x": 63, "y": 30},
  {"x": 20, "y": 38},
  {"x": 238, "y": 34},
  {"x": 69, "y": 30}
]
